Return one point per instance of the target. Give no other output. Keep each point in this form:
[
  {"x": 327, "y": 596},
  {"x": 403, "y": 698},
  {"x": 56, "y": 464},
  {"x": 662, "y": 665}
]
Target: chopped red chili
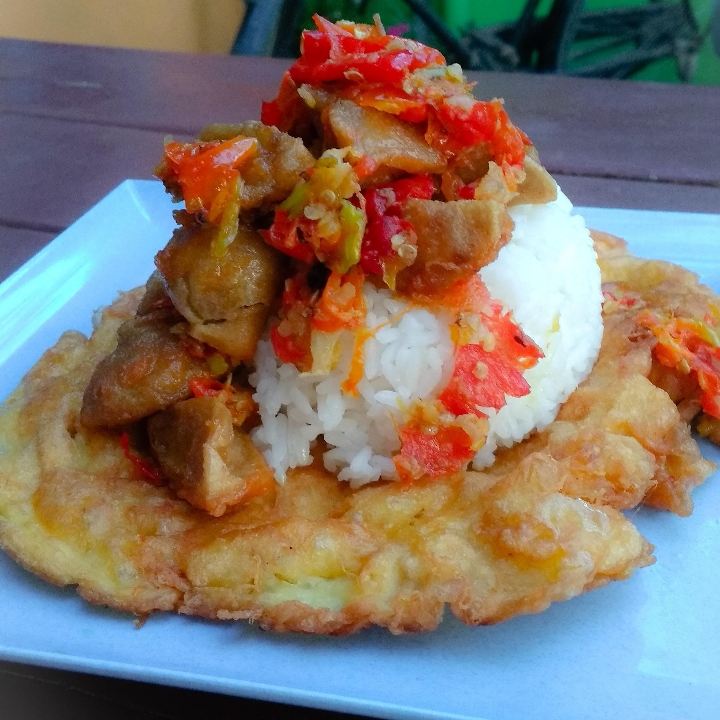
[
  {"x": 481, "y": 379},
  {"x": 208, "y": 172},
  {"x": 435, "y": 452},
  {"x": 146, "y": 468},
  {"x": 206, "y": 387},
  {"x": 383, "y": 205}
]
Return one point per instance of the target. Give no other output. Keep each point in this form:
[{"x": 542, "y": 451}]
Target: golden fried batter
[
  {"x": 452, "y": 237},
  {"x": 312, "y": 555},
  {"x": 620, "y": 437}
]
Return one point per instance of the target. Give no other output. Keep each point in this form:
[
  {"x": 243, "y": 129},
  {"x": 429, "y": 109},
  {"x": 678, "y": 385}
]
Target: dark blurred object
[
  {"x": 611, "y": 43},
  {"x": 271, "y": 27}
]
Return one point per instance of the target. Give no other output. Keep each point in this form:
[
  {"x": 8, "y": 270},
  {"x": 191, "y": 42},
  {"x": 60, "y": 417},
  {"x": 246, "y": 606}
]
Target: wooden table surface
[{"x": 76, "y": 121}]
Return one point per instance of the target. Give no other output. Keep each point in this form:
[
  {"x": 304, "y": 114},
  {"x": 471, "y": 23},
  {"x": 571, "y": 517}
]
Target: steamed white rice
[{"x": 547, "y": 275}]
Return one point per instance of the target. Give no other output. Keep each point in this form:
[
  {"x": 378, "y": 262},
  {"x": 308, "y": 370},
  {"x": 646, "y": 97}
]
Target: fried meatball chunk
[
  {"x": 227, "y": 298},
  {"x": 209, "y": 462},
  {"x": 149, "y": 370},
  {"x": 389, "y": 141},
  {"x": 206, "y": 287},
  {"x": 454, "y": 240}
]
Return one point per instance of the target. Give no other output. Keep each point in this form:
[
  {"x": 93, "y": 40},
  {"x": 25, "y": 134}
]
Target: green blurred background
[{"x": 459, "y": 14}]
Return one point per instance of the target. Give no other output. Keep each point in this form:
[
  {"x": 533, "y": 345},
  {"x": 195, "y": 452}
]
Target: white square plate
[{"x": 646, "y": 649}]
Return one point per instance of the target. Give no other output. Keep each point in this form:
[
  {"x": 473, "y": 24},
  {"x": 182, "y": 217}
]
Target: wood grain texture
[
  {"x": 615, "y": 128},
  {"x": 606, "y": 128},
  {"x": 53, "y": 171},
  {"x": 18, "y": 245},
  {"x": 638, "y": 194},
  {"x": 167, "y": 92}
]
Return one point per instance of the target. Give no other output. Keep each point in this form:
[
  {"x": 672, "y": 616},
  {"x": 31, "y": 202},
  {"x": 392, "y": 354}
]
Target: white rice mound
[{"x": 547, "y": 276}]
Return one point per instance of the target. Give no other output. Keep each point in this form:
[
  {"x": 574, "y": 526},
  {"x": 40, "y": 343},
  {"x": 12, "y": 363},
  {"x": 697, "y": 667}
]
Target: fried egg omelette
[{"x": 540, "y": 525}]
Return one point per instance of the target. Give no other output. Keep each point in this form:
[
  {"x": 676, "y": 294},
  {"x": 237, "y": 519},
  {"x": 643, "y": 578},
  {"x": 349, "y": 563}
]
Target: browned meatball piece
[
  {"x": 149, "y": 370},
  {"x": 538, "y": 187},
  {"x": 226, "y": 299},
  {"x": 469, "y": 165},
  {"x": 208, "y": 462},
  {"x": 389, "y": 141},
  {"x": 271, "y": 174},
  {"x": 476, "y": 163},
  {"x": 155, "y": 300},
  {"x": 238, "y": 337},
  {"x": 454, "y": 240},
  {"x": 204, "y": 287}
]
